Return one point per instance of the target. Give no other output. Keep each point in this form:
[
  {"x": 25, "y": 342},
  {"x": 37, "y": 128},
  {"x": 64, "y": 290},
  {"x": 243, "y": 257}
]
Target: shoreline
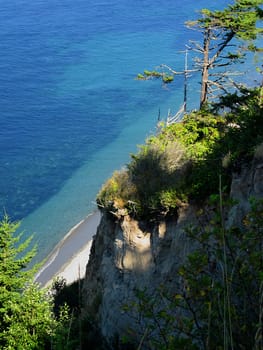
[{"x": 70, "y": 256}]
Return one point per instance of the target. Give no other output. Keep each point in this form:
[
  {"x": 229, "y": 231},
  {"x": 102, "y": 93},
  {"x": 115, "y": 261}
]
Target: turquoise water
[{"x": 71, "y": 110}]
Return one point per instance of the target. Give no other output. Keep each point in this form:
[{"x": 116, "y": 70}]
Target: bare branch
[
  {"x": 197, "y": 45},
  {"x": 170, "y": 69}
]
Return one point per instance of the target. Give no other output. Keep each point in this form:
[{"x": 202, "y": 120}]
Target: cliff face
[{"x": 127, "y": 254}]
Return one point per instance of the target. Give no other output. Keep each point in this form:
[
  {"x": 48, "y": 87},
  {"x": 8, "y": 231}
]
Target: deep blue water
[{"x": 70, "y": 109}]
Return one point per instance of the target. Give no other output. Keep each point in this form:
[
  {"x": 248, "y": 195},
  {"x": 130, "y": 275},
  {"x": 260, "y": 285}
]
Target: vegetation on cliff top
[{"x": 183, "y": 161}]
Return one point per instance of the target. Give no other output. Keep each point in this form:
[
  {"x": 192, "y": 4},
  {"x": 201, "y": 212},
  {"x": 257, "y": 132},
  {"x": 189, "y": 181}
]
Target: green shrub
[
  {"x": 198, "y": 132},
  {"x": 157, "y": 169},
  {"x": 170, "y": 199},
  {"x": 117, "y": 192},
  {"x": 245, "y": 120}
]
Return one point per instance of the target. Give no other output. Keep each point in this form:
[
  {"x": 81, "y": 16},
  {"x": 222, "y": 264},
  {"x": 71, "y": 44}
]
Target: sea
[{"x": 71, "y": 110}]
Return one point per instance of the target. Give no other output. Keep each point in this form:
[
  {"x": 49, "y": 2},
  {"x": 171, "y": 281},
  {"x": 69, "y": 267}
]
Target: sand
[{"x": 70, "y": 257}]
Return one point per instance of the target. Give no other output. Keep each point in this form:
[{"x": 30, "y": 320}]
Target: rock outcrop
[{"x": 127, "y": 254}]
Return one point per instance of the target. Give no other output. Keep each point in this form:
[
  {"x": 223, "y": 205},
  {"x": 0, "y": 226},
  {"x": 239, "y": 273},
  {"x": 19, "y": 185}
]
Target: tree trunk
[{"x": 205, "y": 68}]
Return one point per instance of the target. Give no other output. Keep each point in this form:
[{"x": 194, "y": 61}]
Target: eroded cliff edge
[{"x": 127, "y": 255}]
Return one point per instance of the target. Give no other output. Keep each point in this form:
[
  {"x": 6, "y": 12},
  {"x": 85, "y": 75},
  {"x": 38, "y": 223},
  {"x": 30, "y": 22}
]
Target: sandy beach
[{"x": 69, "y": 258}]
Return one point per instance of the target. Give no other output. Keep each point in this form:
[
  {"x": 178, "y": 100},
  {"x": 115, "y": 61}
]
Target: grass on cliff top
[{"x": 183, "y": 161}]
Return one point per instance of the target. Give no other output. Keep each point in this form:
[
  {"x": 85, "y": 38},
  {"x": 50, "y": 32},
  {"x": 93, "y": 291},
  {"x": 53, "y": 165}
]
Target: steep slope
[{"x": 128, "y": 255}]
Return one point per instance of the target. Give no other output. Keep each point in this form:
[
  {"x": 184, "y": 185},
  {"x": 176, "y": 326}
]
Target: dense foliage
[
  {"x": 26, "y": 317},
  {"x": 75, "y": 331},
  {"x": 183, "y": 161}
]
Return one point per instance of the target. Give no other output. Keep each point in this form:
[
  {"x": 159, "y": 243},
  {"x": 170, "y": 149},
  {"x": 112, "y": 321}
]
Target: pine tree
[
  {"x": 219, "y": 28},
  {"x": 227, "y": 35},
  {"x": 26, "y": 317}
]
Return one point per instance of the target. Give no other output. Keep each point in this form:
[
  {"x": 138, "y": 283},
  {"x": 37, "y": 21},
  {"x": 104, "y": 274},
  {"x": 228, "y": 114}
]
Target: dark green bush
[
  {"x": 157, "y": 173},
  {"x": 74, "y": 331}
]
